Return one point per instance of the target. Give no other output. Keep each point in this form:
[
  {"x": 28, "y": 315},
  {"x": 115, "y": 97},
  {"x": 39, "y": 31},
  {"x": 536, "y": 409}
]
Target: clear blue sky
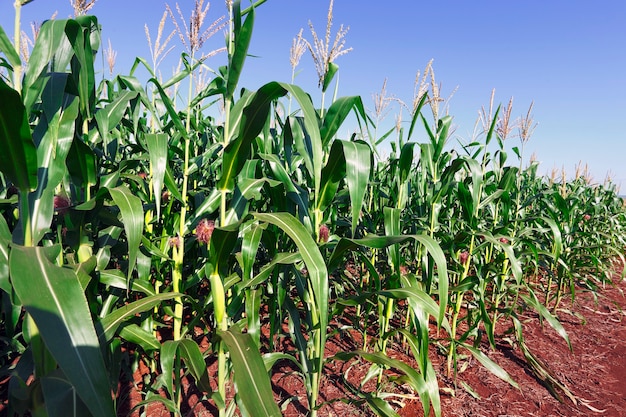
[{"x": 568, "y": 56}]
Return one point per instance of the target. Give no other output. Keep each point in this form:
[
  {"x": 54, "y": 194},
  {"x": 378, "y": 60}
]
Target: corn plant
[{"x": 134, "y": 224}]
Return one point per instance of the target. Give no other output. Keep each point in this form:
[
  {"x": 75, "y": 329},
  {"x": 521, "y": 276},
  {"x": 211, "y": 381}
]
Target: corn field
[{"x": 134, "y": 221}]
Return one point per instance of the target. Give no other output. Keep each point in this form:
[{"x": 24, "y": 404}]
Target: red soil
[{"x": 595, "y": 372}]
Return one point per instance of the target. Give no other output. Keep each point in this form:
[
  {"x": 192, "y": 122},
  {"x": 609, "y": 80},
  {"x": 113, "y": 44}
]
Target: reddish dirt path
[{"x": 595, "y": 372}]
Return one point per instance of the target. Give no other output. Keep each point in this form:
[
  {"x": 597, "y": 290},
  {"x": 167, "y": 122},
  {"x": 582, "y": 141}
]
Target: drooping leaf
[
  {"x": 415, "y": 379},
  {"x": 253, "y": 382},
  {"x": 110, "y": 323},
  {"x": 317, "y": 273},
  {"x": 54, "y": 298},
  {"x": 330, "y": 74},
  {"x": 18, "y": 159},
  {"x": 110, "y": 115},
  {"x": 61, "y": 398},
  {"x": 189, "y": 351},
  {"x": 332, "y": 174},
  {"x": 51, "y": 46},
  {"x": 54, "y": 135},
  {"x": 491, "y": 366},
  {"x": 131, "y": 210},
  {"x": 380, "y": 242},
  {"x": 313, "y": 148},
  {"x": 7, "y": 48},
  {"x": 157, "y": 151}
]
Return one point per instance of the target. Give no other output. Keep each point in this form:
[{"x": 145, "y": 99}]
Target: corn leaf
[
  {"x": 51, "y": 46},
  {"x": 131, "y": 210},
  {"x": 491, "y": 366},
  {"x": 18, "y": 159},
  {"x": 243, "y": 35},
  {"x": 54, "y": 135},
  {"x": 54, "y": 298},
  {"x": 157, "y": 151},
  {"x": 237, "y": 152},
  {"x": 415, "y": 379},
  {"x": 140, "y": 337},
  {"x": 337, "y": 114},
  {"x": 7, "y": 48},
  {"x": 251, "y": 378},
  {"x": 109, "y": 324},
  {"x": 84, "y": 36}
]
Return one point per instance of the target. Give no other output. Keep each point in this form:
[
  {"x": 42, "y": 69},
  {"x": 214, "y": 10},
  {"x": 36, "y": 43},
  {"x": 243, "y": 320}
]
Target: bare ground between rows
[{"x": 594, "y": 371}]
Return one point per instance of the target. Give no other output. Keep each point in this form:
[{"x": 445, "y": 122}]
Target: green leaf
[
  {"x": 109, "y": 117},
  {"x": 330, "y": 74},
  {"x": 223, "y": 241},
  {"x": 54, "y": 298},
  {"x": 116, "y": 279},
  {"x": 490, "y": 365},
  {"x": 157, "y": 150},
  {"x": 171, "y": 111},
  {"x": 243, "y": 35},
  {"x": 18, "y": 159},
  {"x": 84, "y": 36},
  {"x": 249, "y": 249},
  {"x": 110, "y": 323},
  {"x": 415, "y": 379},
  {"x": 336, "y": 115},
  {"x": 6, "y": 47},
  {"x": 379, "y": 242},
  {"x": 419, "y": 348},
  {"x": 332, "y": 174},
  {"x": 531, "y": 300},
  {"x": 51, "y": 46},
  {"x": 189, "y": 351},
  {"x": 253, "y": 383},
  {"x": 131, "y": 210},
  {"x": 313, "y": 149},
  {"x": 254, "y": 118},
  {"x": 392, "y": 228},
  {"x": 140, "y": 337},
  {"x": 266, "y": 270},
  {"x": 317, "y": 276},
  {"x": 81, "y": 164},
  {"x": 516, "y": 265},
  {"x": 61, "y": 396},
  {"x": 5, "y": 241},
  {"x": 54, "y": 144}
]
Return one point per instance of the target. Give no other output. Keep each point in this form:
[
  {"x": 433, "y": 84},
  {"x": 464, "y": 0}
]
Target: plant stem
[
  {"x": 221, "y": 321},
  {"x": 457, "y": 307},
  {"x": 179, "y": 250},
  {"x": 17, "y": 71},
  {"x": 26, "y": 218}
]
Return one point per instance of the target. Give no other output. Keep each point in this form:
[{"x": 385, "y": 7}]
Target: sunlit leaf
[{"x": 131, "y": 210}]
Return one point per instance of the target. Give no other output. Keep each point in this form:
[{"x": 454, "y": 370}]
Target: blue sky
[{"x": 566, "y": 56}]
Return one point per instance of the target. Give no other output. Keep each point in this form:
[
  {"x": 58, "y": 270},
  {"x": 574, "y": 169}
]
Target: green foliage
[{"x": 130, "y": 220}]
